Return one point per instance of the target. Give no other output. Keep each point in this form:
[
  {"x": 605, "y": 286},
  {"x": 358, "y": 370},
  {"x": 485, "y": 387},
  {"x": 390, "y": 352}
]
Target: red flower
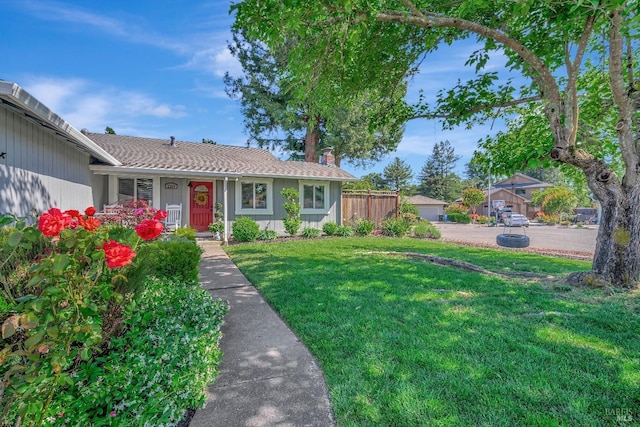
[
  {"x": 52, "y": 222},
  {"x": 90, "y": 223},
  {"x": 149, "y": 229},
  {"x": 90, "y": 211},
  {"x": 73, "y": 213},
  {"x": 160, "y": 215},
  {"x": 117, "y": 254}
]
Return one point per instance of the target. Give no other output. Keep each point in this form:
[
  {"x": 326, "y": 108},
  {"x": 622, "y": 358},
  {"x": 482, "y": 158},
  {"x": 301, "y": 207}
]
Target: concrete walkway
[{"x": 267, "y": 377}]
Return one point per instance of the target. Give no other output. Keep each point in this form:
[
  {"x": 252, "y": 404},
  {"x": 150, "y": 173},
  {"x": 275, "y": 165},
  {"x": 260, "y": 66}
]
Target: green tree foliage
[
  {"x": 274, "y": 118},
  {"x": 398, "y": 175},
  {"x": 472, "y": 197},
  {"x": 371, "y": 181},
  {"x": 437, "y": 179},
  {"x": 555, "y": 201},
  {"x": 209, "y": 141},
  {"x": 109, "y": 130},
  {"x": 577, "y": 60}
]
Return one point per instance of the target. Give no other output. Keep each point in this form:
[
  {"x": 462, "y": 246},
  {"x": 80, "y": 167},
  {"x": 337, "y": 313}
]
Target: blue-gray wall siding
[
  {"x": 40, "y": 170},
  {"x": 274, "y": 222}
]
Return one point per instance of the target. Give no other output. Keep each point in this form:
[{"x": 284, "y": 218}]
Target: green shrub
[
  {"x": 363, "y": 227},
  {"x": 16, "y": 260},
  {"x": 330, "y": 228},
  {"x": 482, "y": 219},
  {"x": 344, "y": 231},
  {"x": 216, "y": 227},
  {"x": 267, "y": 234},
  {"x": 159, "y": 368},
  {"x": 460, "y": 218},
  {"x": 408, "y": 211},
  {"x": 425, "y": 230},
  {"x": 395, "y": 227},
  {"x": 186, "y": 232},
  {"x": 245, "y": 229},
  {"x": 310, "y": 232},
  {"x": 292, "y": 221},
  {"x": 176, "y": 259}
]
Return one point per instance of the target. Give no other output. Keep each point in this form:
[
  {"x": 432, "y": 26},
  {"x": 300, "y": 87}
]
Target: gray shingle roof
[
  {"x": 424, "y": 200},
  {"x": 157, "y": 154}
]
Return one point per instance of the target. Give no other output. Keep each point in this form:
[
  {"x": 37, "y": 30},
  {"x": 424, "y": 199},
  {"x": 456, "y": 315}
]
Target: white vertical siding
[{"x": 40, "y": 170}]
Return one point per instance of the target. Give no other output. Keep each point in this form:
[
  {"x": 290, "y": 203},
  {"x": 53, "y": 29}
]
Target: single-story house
[
  {"x": 430, "y": 209},
  {"x": 514, "y": 193},
  {"x": 45, "y": 162}
]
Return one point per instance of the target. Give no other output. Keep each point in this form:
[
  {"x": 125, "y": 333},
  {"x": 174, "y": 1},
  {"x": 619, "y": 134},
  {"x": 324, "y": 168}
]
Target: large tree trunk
[
  {"x": 617, "y": 255},
  {"x": 311, "y": 140}
]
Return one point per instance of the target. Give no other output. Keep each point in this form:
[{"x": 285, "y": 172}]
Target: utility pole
[{"x": 489, "y": 199}]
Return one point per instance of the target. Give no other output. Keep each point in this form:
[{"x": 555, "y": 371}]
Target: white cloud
[
  {"x": 54, "y": 93},
  {"x": 216, "y": 60},
  {"x": 88, "y": 105}
]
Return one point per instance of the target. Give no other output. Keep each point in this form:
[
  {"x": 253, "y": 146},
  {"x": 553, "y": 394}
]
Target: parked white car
[{"x": 516, "y": 220}]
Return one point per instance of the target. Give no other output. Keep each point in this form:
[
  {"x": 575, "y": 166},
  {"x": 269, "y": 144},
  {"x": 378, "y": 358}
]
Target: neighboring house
[
  {"x": 514, "y": 193},
  {"x": 430, "y": 209},
  {"x": 47, "y": 163}
]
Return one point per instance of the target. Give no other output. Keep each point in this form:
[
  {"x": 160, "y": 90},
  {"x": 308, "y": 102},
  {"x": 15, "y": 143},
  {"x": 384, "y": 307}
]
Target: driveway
[{"x": 581, "y": 241}]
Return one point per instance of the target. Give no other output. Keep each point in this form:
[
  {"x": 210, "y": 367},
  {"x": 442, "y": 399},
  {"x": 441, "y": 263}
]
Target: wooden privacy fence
[{"x": 369, "y": 204}]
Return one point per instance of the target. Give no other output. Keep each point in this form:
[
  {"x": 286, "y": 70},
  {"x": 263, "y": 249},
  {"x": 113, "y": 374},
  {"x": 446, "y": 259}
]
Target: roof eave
[
  {"x": 27, "y": 103},
  {"x": 303, "y": 177},
  {"x": 105, "y": 170}
]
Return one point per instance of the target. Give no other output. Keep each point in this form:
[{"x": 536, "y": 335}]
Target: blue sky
[{"x": 155, "y": 68}]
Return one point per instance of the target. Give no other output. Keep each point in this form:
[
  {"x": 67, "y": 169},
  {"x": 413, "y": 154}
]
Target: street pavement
[{"x": 542, "y": 237}]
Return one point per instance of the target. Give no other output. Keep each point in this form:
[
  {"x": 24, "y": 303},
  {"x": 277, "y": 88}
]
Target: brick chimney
[{"x": 327, "y": 157}]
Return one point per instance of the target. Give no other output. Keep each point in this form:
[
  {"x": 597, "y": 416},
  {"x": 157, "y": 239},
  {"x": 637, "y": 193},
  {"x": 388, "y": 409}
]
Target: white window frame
[
  {"x": 114, "y": 188},
  {"x": 327, "y": 188},
  {"x": 238, "y": 190}
]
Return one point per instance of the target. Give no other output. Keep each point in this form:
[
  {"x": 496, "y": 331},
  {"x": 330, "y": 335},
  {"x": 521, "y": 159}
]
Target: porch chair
[{"x": 174, "y": 217}]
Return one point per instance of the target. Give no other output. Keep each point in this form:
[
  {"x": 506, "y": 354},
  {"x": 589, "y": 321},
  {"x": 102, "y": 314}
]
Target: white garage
[{"x": 430, "y": 209}]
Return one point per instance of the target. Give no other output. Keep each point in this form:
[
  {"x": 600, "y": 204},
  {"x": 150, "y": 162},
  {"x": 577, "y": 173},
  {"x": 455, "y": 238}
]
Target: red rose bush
[{"x": 76, "y": 291}]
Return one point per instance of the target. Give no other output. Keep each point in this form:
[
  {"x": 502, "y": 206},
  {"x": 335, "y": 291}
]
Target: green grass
[{"x": 403, "y": 342}]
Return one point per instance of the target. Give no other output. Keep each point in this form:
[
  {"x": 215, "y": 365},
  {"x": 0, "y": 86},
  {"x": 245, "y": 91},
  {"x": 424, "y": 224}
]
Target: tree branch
[
  {"x": 571, "y": 92},
  {"x": 622, "y": 100},
  {"x": 413, "y": 8},
  {"x": 542, "y": 76},
  {"x": 479, "y": 108}
]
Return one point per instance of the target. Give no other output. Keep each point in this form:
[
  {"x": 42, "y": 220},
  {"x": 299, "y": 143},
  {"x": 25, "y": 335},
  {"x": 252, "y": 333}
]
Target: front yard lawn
[{"x": 404, "y": 342}]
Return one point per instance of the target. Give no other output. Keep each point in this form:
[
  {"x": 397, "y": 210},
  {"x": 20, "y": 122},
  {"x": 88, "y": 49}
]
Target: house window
[
  {"x": 314, "y": 197},
  {"x": 254, "y": 197},
  {"x": 136, "y": 188},
  {"x": 521, "y": 192}
]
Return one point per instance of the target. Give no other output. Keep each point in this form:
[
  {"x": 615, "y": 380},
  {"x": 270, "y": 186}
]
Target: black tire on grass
[{"x": 513, "y": 240}]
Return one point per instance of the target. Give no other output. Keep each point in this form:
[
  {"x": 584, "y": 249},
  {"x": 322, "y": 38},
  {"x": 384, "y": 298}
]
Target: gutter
[{"x": 177, "y": 173}]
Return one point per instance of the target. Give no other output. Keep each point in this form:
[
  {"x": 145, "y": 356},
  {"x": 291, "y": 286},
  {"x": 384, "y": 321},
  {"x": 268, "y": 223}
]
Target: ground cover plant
[
  {"x": 94, "y": 329},
  {"x": 403, "y": 342}
]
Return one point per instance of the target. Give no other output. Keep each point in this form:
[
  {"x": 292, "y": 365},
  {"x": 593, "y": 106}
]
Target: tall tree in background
[
  {"x": 275, "y": 119},
  {"x": 437, "y": 179},
  {"x": 271, "y": 117},
  {"x": 398, "y": 175},
  {"x": 347, "y": 46},
  {"x": 109, "y": 130},
  {"x": 371, "y": 181}
]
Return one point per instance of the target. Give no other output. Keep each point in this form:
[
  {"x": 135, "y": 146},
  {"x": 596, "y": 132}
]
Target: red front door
[{"x": 201, "y": 206}]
